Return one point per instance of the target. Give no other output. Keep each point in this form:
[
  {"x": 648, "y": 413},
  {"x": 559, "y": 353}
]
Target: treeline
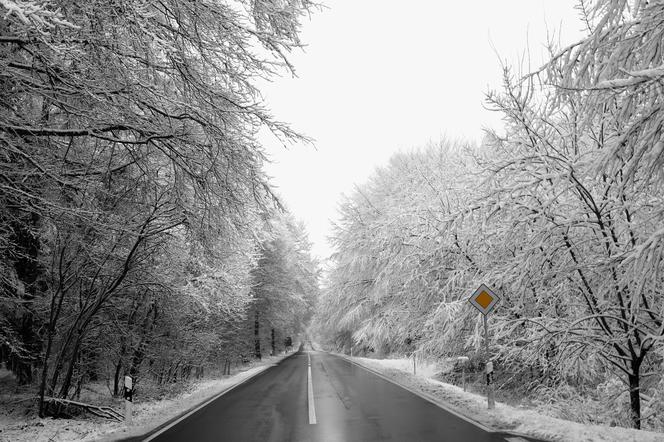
[
  {"x": 138, "y": 232},
  {"x": 562, "y": 214}
]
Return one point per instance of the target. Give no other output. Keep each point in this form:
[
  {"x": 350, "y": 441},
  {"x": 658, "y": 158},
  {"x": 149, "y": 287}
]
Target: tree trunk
[
  {"x": 66, "y": 383},
  {"x": 635, "y": 399},
  {"x": 62, "y": 354},
  {"x": 123, "y": 349},
  {"x": 257, "y": 338},
  {"x": 79, "y": 384},
  {"x": 53, "y": 317},
  {"x": 89, "y": 362},
  {"x": 137, "y": 360},
  {"x": 139, "y": 351},
  {"x": 28, "y": 271},
  {"x": 116, "y": 377}
]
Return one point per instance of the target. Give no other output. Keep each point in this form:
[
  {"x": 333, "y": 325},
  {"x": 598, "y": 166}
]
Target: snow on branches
[
  {"x": 562, "y": 215},
  {"x": 41, "y": 16}
]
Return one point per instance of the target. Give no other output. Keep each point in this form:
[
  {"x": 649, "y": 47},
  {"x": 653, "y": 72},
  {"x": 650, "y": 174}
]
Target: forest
[
  {"x": 139, "y": 233},
  {"x": 561, "y": 212}
]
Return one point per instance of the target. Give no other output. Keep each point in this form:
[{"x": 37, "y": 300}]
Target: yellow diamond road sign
[{"x": 484, "y": 299}]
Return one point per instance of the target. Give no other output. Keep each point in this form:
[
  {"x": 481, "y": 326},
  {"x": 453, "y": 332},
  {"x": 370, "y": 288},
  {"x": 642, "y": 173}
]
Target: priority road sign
[{"x": 484, "y": 299}]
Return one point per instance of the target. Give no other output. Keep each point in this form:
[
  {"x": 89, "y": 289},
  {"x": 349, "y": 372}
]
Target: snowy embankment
[
  {"x": 503, "y": 417},
  {"x": 147, "y": 415}
]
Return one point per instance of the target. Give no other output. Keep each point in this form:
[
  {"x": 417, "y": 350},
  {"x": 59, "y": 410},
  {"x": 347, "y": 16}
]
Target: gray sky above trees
[{"x": 380, "y": 76}]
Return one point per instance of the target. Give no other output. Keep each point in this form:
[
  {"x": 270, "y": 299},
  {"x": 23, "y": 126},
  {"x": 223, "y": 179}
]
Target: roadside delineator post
[
  {"x": 128, "y": 397},
  {"x": 463, "y": 360},
  {"x": 484, "y": 300}
]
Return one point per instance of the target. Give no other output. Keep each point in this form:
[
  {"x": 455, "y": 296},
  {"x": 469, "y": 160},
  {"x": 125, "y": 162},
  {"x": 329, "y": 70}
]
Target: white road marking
[{"x": 310, "y": 396}]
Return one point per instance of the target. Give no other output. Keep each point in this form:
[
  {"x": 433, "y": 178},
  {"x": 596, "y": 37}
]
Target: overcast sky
[{"x": 378, "y": 76}]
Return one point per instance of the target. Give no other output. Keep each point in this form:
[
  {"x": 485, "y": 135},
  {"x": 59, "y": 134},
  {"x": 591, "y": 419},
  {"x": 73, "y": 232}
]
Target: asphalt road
[{"x": 349, "y": 404}]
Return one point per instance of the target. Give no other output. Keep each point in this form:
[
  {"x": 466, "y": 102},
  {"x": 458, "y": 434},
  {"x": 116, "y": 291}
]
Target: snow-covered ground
[
  {"x": 503, "y": 417},
  {"x": 146, "y": 415}
]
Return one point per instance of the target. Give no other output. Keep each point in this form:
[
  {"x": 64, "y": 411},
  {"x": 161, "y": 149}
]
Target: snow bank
[
  {"x": 422, "y": 368},
  {"x": 503, "y": 417},
  {"x": 146, "y": 415}
]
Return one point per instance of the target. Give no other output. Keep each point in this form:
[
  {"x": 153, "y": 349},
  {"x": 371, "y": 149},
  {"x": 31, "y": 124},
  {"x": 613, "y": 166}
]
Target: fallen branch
[{"x": 100, "y": 411}]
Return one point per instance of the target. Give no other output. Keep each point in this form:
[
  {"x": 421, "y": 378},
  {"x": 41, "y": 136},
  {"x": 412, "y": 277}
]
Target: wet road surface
[{"x": 315, "y": 396}]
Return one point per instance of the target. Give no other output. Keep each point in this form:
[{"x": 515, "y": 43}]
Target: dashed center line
[{"x": 310, "y": 388}]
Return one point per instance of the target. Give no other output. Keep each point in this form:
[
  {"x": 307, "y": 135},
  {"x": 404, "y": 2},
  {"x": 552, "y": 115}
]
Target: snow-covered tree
[
  {"x": 585, "y": 141},
  {"x": 405, "y": 254},
  {"x": 123, "y": 126},
  {"x": 573, "y": 280},
  {"x": 284, "y": 285}
]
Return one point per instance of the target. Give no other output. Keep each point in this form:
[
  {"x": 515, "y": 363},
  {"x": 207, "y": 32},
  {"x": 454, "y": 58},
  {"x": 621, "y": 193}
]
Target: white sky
[{"x": 378, "y": 76}]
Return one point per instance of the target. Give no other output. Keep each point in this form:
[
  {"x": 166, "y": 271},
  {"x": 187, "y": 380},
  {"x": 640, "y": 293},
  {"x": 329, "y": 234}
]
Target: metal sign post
[
  {"x": 490, "y": 396},
  {"x": 484, "y": 300}
]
